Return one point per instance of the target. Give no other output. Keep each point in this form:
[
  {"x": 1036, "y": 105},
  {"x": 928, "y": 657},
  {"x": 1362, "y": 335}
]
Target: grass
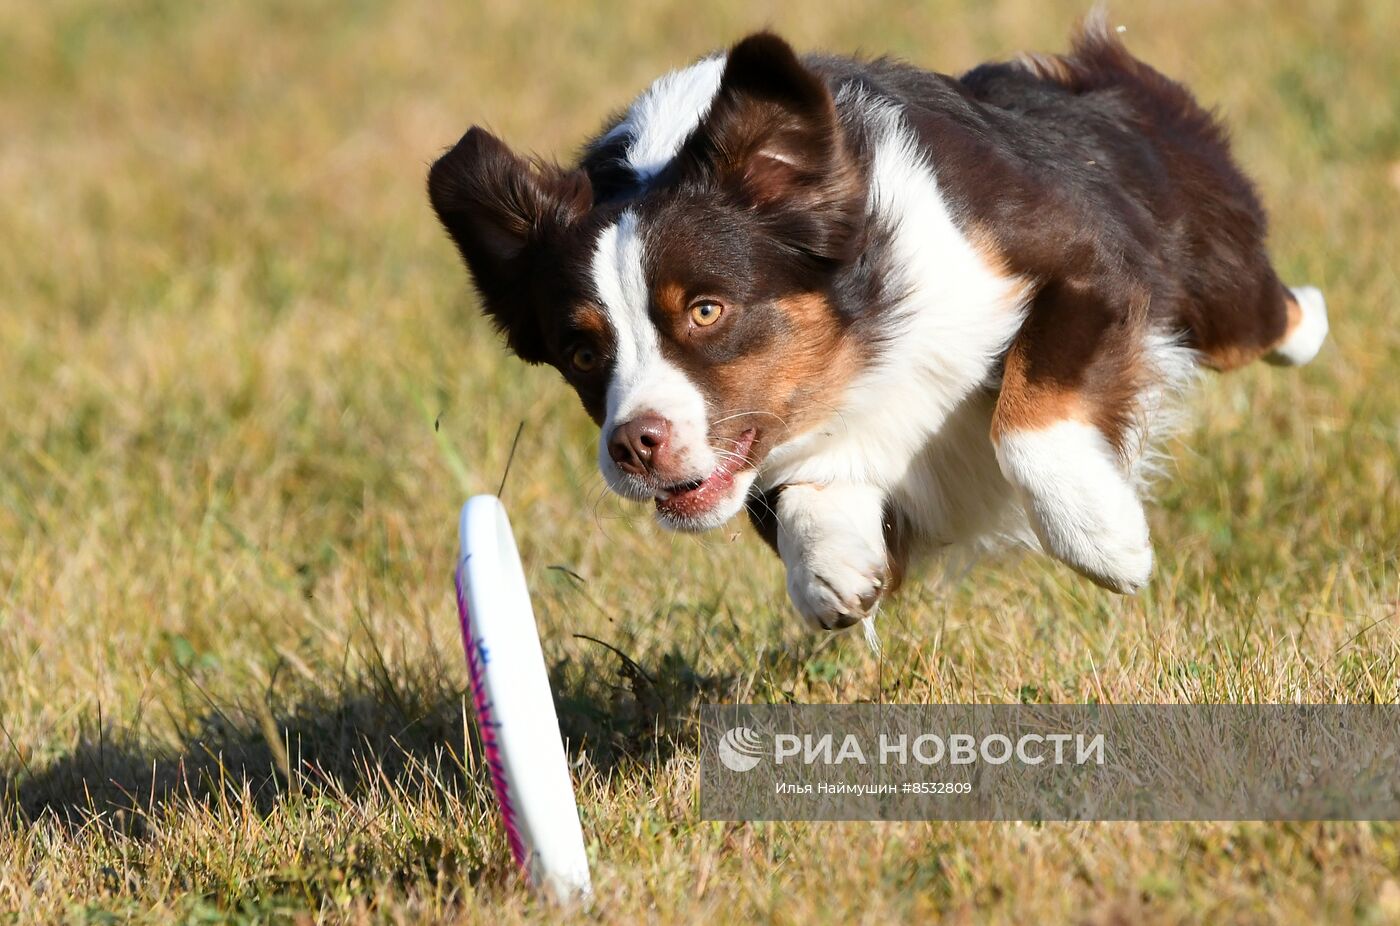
[{"x": 243, "y": 391}]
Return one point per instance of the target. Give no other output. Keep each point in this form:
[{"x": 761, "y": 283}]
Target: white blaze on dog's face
[
  {"x": 694, "y": 314},
  {"x": 655, "y": 437}
]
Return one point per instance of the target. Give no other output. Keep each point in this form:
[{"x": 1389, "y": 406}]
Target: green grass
[{"x": 243, "y": 391}]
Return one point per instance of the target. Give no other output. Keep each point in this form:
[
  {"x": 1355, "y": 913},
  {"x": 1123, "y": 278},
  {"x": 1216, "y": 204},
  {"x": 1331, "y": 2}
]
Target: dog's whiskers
[{"x": 780, "y": 418}]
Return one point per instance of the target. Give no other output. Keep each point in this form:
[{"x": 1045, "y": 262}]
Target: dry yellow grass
[{"x": 243, "y": 391}]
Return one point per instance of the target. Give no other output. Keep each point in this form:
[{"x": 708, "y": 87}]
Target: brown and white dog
[{"x": 885, "y": 310}]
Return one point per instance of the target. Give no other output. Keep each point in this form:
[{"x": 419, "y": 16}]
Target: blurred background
[{"x": 244, "y": 388}]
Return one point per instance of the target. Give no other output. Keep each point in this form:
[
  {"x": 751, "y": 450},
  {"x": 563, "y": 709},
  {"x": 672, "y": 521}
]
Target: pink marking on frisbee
[{"x": 477, "y": 657}]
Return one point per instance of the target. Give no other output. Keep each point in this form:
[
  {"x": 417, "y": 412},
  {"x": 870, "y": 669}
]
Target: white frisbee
[{"x": 514, "y": 705}]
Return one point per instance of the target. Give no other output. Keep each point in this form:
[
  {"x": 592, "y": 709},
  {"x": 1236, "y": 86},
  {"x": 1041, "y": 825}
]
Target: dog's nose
[{"x": 635, "y": 445}]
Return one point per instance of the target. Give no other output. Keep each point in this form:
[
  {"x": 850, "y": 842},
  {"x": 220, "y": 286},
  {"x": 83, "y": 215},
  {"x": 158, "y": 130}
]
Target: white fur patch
[
  {"x": 1158, "y": 412},
  {"x": 1079, "y": 502},
  {"x": 1305, "y": 340},
  {"x": 663, "y": 117},
  {"x": 832, "y": 541}
]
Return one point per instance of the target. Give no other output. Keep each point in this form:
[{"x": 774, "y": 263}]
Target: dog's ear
[
  {"x": 498, "y": 207},
  {"x": 771, "y": 137}
]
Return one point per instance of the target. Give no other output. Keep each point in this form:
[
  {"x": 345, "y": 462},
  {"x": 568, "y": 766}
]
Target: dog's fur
[{"x": 883, "y": 309}]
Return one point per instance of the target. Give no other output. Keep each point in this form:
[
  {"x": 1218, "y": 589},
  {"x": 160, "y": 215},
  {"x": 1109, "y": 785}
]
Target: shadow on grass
[{"x": 410, "y": 731}]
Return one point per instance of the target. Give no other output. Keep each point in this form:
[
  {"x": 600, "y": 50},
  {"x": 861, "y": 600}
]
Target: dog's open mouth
[{"x": 695, "y": 498}]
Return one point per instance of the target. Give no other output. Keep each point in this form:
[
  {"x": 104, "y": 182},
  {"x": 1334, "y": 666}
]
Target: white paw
[
  {"x": 1079, "y": 503},
  {"x": 1305, "y": 337},
  {"x": 831, "y": 538},
  {"x": 837, "y": 594}
]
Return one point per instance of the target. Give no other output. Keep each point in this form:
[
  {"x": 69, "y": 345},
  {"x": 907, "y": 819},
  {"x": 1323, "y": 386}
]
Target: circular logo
[{"x": 740, "y": 749}]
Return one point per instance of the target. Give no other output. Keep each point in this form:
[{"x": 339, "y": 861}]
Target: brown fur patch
[
  {"x": 1238, "y": 346},
  {"x": 1078, "y": 356},
  {"x": 1214, "y": 284}
]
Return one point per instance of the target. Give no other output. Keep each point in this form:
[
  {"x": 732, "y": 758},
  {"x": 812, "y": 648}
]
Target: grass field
[{"x": 243, "y": 390}]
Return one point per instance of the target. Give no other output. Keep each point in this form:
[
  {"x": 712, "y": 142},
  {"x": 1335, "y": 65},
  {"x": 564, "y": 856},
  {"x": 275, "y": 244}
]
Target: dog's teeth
[{"x": 663, "y": 495}]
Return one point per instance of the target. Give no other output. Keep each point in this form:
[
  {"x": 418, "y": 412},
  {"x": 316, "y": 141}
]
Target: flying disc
[{"x": 514, "y": 706}]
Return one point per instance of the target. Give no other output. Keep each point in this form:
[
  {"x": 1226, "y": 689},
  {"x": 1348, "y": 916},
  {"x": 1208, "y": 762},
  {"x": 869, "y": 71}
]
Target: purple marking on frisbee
[{"x": 486, "y": 721}]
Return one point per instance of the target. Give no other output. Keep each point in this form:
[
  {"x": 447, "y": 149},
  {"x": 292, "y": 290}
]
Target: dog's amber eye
[
  {"x": 706, "y": 312},
  {"x": 584, "y": 359}
]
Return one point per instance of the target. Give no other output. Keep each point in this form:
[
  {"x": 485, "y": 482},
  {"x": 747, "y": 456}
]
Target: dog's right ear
[{"x": 496, "y": 206}]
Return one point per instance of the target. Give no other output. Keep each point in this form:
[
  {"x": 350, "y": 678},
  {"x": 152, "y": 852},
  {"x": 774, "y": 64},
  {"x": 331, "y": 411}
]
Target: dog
[{"x": 883, "y": 310}]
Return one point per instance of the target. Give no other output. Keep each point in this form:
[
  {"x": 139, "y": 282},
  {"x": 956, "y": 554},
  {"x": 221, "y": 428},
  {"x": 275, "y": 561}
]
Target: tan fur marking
[
  {"x": 814, "y": 314},
  {"x": 1231, "y": 357},
  {"x": 984, "y": 240},
  {"x": 671, "y": 296},
  {"x": 1295, "y": 316},
  {"x": 804, "y": 370},
  {"x": 1027, "y": 406},
  {"x": 591, "y": 319}
]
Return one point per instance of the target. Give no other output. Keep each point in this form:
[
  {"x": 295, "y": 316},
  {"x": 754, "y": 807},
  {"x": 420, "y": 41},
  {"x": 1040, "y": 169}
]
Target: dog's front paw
[
  {"x": 832, "y": 540},
  {"x": 836, "y": 595}
]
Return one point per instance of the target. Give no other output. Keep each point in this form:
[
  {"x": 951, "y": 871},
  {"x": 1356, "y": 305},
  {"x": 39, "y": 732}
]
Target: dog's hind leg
[{"x": 1072, "y": 392}]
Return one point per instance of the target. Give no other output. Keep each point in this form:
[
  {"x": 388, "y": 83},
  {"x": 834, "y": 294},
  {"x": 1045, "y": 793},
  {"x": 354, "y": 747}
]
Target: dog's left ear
[{"x": 771, "y": 136}]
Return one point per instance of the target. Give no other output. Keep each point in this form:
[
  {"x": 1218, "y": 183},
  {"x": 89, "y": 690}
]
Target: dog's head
[{"x": 695, "y": 316}]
